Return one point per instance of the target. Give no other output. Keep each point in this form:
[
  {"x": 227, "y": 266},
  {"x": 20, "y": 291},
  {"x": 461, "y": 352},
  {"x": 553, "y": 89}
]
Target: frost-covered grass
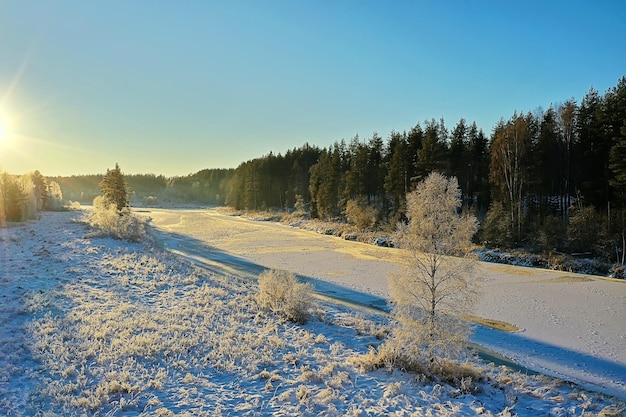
[
  {"x": 558, "y": 262},
  {"x": 98, "y": 326}
]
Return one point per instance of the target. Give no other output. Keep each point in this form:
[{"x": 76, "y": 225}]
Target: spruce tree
[
  {"x": 617, "y": 161},
  {"x": 41, "y": 190},
  {"x": 458, "y": 155},
  {"x": 396, "y": 178},
  {"x": 114, "y": 189},
  {"x": 593, "y": 150},
  {"x": 432, "y": 156},
  {"x": 479, "y": 167}
]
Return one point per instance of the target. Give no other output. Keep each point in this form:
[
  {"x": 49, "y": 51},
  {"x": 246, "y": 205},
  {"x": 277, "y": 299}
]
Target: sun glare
[{"x": 4, "y": 129}]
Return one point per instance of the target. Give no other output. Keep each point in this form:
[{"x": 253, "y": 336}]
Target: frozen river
[{"x": 572, "y": 326}]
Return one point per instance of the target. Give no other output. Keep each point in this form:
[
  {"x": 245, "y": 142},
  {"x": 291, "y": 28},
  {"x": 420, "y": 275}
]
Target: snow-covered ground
[
  {"x": 96, "y": 326},
  {"x": 572, "y": 325}
]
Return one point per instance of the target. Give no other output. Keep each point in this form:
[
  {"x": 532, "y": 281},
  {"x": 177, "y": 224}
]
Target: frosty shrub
[
  {"x": 150, "y": 201},
  {"x": 299, "y": 206},
  {"x": 282, "y": 294},
  {"x": 30, "y": 202},
  {"x": 551, "y": 236},
  {"x": 584, "y": 229},
  {"x": 74, "y": 205},
  {"x": 496, "y": 230},
  {"x": 618, "y": 271},
  {"x": 359, "y": 213},
  {"x": 16, "y": 199},
  {"x": 54, "y": 199},
  {"x": 120, "y": 224}
]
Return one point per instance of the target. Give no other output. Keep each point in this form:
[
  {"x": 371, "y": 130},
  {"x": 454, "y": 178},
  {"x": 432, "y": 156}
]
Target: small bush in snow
[
  {"x": 359, "y": 213},
  {"x": 300, "y": 206},
  {"x": 496, "y": 229},
  {"x": 74, "y": 205},
  {"x": 281, "y": 293},
  {"x": 618, "y": 271},
  {"x": 120, "y": 224}
]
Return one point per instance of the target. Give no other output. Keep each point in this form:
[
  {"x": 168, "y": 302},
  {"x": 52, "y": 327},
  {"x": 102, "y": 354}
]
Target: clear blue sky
[{"x": 172, "y": 87}]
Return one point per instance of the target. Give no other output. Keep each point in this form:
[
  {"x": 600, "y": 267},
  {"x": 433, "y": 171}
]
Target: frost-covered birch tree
[{"x": 436, "y": 287}]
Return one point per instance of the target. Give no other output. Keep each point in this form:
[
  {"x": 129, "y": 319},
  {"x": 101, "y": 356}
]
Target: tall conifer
[{"x": 114, "y": 188}]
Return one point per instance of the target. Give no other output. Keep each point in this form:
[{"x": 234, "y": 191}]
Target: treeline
[
  {"x": 207, "y": 187},
  {"x": 23, "y": 196},
  {"x": 371, "y": 172},
  {"x": 549, "y": 180}
]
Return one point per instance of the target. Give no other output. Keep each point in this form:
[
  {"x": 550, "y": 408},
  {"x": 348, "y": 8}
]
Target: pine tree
[
  {"x": 414, "y": 140},
  {"x": 375, "y": 176},
  {"x": 618, "y": 167},
  {"x": 356, "y": 177},
  {"x": 547, "y": 157},
  {"x": 593, "y": 150},
  {"x": 458, "y": 155},
  {"x": 618, "y": 161},
  {"x": 396, "y": 179},
  {"x": 114, "y": 188},
  {"x": 325, "y": 185},
  {"x": 431, "y": 157},
  {"x": 479, "y": 167},
  {"x": 41, "y": 190},
  {"x": 567, "y": 121}
]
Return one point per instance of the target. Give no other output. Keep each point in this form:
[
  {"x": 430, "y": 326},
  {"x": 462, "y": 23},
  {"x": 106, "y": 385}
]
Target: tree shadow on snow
[
  {"x": 569, "y": 364},
  {"x": 537, "y": 355},
  {"x": 220, "y": 262}
]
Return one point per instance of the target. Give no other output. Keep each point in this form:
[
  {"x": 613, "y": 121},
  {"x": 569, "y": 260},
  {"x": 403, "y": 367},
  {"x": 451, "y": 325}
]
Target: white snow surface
[
  {"x": 96, "y": 326},
  {"x": 572, "y": 325}
]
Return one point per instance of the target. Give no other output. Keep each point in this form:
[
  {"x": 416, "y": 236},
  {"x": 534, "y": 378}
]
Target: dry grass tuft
[{"x": 282, "y": 294}]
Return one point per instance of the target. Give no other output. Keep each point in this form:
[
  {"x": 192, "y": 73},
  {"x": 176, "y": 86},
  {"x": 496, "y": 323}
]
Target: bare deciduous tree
[
  {"x": 436, "y": 287},
  {"x": 509, "y": 167}
]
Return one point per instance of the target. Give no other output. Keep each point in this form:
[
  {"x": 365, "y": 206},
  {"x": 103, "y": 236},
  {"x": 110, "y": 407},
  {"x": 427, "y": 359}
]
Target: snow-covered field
[{"x": 96, "y": 326}]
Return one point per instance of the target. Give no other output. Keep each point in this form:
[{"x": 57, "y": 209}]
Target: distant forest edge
[
  {"x": 550, "y": 180},
  {"x": 206, "y": 187}
]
